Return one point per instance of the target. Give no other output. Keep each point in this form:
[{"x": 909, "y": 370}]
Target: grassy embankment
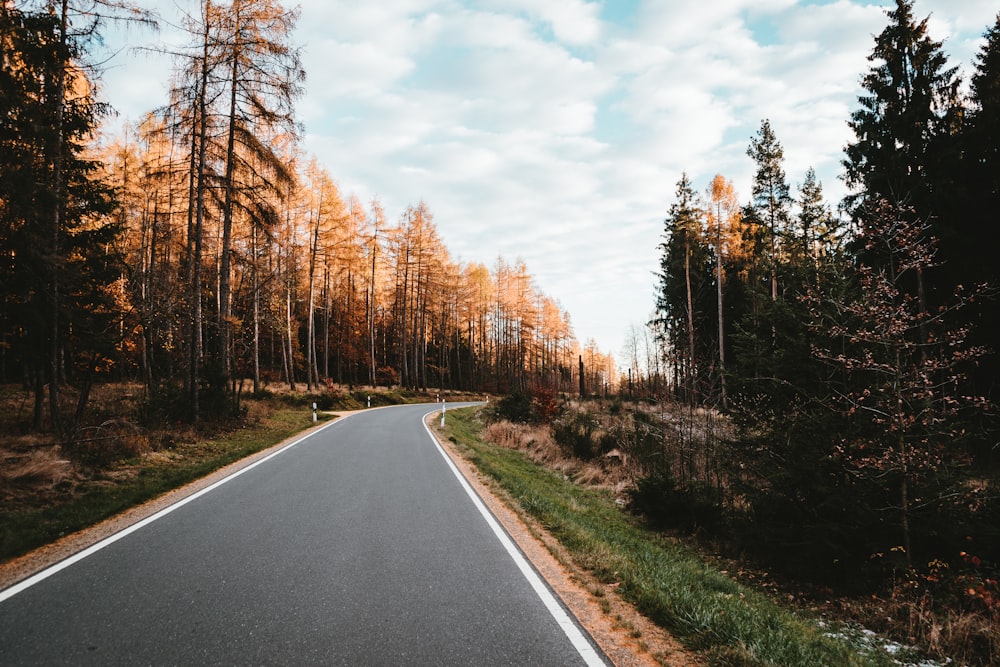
[{"x": 709, "y": 612}]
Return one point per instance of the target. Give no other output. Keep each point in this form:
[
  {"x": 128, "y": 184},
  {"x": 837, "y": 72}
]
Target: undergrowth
[{"x": 726, "y": 621}]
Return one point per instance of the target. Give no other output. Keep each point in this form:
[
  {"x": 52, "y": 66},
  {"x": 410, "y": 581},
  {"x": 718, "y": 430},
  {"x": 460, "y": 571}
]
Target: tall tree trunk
[
  {"x": 225, "y": 251},
  {"x": 718, "y": 283},
  {"x": 311, "y": 368},
  {"x": 289, "y": 332},
  {"x": 58, "y": 102},
  {"x": 349, "y": 330},
  {"x": 199, "y": 225},
  {"x": 371, "y": 310},
  {"x": 327, "y": 305},
  {"x": 149, "y": 308},
  {"x": 404, "y": 317},
  {"x": 690, "y": 325},
  {"x": 254, "y": 268}
]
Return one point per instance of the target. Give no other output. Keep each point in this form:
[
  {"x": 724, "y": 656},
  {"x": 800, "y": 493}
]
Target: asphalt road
[{"x": 358, "y": 545}]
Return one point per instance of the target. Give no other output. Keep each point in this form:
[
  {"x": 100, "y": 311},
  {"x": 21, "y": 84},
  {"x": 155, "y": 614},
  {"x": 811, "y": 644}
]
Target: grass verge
[
  {"x": 146, "y": 478},
  {"x": 728, "y": 623}
]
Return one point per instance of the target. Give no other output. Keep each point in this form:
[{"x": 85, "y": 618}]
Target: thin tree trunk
[
  {"x": 718, "y": 282},
  {"x": 256, "y": 309},
  {"x": 225, "y": 259},
  {"x": 311, "y": 370},
  {"x": 371, "y": 310},
  {"x": 289, "y": 333},
  {"x": 150, "y": 293},
  {"x": 59, "y": 95},
  {"x": 327, "y": 305},
  {"x": 195, "y": 281},
  {"x": 690, "y": 325}
]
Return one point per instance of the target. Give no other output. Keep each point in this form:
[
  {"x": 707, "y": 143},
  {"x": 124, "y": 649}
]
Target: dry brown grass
[
  {"x": 504, "y": 434},
  {"x": 40, "y": 468},
  {"x": 964, "y": 637},
  {"x": 112, "y": 440},
  {"x": 536, "y": 442}
]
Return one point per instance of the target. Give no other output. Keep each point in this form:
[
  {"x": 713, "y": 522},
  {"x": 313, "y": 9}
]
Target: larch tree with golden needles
[
  {"x": 723, "y": 212},
  {"x": 264, "y": 77}
]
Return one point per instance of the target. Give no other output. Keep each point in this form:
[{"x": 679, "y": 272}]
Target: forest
[
  {"x": 203, "y": 253},
  {"x": 848, "y": 351}
]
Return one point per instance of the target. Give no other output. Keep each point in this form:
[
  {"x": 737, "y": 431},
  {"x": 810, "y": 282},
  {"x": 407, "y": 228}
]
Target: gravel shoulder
[{"x": 625, "y": 636}]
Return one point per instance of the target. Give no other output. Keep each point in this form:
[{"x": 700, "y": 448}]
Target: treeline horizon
[{"x": 204, "y": 249}]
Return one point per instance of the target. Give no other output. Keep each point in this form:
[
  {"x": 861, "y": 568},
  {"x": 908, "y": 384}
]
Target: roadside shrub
[
  {"x": 41, "y": 467},
  {"x": 577, "y": 433},
  {"x": 515, "y": 407},
  {"x": 690, "y": 506},
  {"x": 112, "y": 441},
  {"x": 545, "y": 406},
  {"x": 504, "y": 434},
  {"x": 642, "y": 442}
]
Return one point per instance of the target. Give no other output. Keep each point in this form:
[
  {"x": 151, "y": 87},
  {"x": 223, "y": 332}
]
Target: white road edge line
[
  {"x": 8, "y": 593},
  {"x": 572, "y": 630}
]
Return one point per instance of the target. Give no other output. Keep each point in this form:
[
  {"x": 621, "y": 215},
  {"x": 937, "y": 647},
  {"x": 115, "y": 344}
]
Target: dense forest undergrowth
[{"x": 689, "y": 473}]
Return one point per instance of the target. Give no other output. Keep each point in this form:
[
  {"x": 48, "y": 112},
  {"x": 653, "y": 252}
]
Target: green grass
[
  {"x": 22, "y": 531},
  {"x": 727, "y": 622}
]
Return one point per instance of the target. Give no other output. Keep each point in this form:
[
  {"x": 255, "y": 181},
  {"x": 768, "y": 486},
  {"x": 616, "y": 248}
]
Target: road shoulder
[{"x": 626, "y": 637}]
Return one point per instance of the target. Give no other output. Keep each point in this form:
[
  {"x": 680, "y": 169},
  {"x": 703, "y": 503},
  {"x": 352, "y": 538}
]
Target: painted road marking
[{"x": 573, "y": 633}]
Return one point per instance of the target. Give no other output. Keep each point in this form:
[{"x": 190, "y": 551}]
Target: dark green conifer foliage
[
  {"x": 771, "y": 198},
  {"x": 769, "y": 318},
  {"x": 684, "y": 301},
  {"x": 56, "y": 241},
  {"x": 910, "y": 100},
  {"x": 974, "y": 246}
]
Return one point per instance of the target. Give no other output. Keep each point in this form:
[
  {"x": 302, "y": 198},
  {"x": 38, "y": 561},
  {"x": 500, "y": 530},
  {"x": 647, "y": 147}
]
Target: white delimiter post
[
  {"x": 314, "y": 412},
  {"x": 444, "y": 408}
]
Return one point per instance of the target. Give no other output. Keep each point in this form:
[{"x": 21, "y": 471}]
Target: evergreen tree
[
  {"x": 57, "y": 240},
  {"x": 985, "y": 122},
  {"x": 900, "y": 372},
  {"x": 767, "y": 235},
  {"x": 910, "y": 101},
  {"x": 684, "y": 297},
  {"x": 975, "y": 244},
  {"x": 818, "y": 234},
  {"x": 771, "y": 197}
]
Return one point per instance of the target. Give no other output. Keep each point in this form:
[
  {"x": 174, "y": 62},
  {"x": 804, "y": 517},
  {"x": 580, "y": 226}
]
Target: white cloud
[{"x": 572, "y": 21}]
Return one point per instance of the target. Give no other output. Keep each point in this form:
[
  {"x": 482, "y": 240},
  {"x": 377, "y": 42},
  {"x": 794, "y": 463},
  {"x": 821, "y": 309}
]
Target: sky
[{"x": 555, "y": 131}]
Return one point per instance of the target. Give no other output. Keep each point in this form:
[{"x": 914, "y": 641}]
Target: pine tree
[
  {"x": 910, "y": 101},
  {"x": 685, "y": 285},
  {"x": 974, "y": 246},
  {"x": 57, "y": 241},
  {"x": 766, "y": 226},
  {"x": 771, "y": 197}
]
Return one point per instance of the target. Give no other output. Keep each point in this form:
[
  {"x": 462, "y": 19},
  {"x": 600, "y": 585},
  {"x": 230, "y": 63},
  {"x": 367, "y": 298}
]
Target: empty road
[{"x": 357, "y": 545}]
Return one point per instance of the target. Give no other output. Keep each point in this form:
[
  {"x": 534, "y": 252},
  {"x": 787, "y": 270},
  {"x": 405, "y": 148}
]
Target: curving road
[{"x": 357, "y": 545}]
